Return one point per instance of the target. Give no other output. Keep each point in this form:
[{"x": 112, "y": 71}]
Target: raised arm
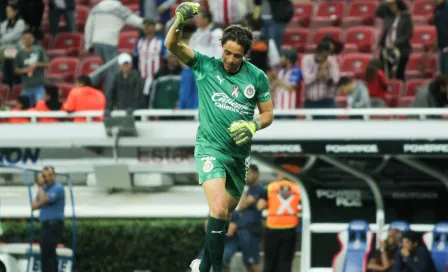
[{"x": 173, "y": 42}]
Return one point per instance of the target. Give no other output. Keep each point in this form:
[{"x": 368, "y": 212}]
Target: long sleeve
[
  {"x": 309, "y": 73},
  {"x": 15, "y": 34},
  {"x": 273, "y": 54},
  {"x": 333, "y": 71},
  {"x": 382, "y": 10},
  {"x": 88, "y": 32},
  {"x": 134, "y": 20},
  {"x": 403, "y": 37},
  {"x": 363, "y": 99}
]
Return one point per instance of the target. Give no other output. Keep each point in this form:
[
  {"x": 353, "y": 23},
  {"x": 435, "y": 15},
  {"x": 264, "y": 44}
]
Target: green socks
[{"x": 214, "y": 245}]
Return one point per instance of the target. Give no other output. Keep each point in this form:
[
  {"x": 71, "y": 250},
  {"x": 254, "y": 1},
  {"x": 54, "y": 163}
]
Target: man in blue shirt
[
  {"x": 413, "y": 255},
  {"x": 51, "y": 202},
  {"x": 249, "y": 222}
]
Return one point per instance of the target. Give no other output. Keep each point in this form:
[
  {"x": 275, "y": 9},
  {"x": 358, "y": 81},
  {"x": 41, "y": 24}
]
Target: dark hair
[
  {"x": 435, "y": 88},
  {"x": 401, "y": 5},
  {"x": 207, "y": 14},
  {"x": 49, "y": 167},
  {"x": 372, "y": 70},
  {"x": 28, "y": 31},
  {"x": 85, "y": 80},
  {"x": 239, "y": 34},
  {"x": 53, "y": 92},
  {"x": 323, "y": 47},
  {"x": 412, "y": 236},
  {"x": 25, "y": 101},
  {"x": 344, "y": 81},
  {"x": 254, "y": 167}
]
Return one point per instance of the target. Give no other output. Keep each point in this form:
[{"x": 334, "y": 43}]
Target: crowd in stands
[{"x": 317, "y": 54}]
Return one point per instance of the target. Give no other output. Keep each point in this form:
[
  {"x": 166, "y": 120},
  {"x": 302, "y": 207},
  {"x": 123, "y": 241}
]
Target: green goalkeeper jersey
[{"x": 224, "y": 98}]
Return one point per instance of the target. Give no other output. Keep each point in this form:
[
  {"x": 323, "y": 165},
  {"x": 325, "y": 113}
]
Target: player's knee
[{"x": 219, "y": 211}]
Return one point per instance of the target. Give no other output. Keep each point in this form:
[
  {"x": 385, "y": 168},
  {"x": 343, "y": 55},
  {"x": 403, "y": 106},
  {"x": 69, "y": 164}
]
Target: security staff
[
  {"x": 281, "y": 199},
  {"x": 51, "y": 202}
]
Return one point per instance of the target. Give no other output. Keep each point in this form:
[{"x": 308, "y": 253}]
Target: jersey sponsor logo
[
  {"x": 235, "y": 91},
  {"x": 249, "y": 92},
  {"x": 220, "y": 80},
  {"x": 223, "y": 101}
]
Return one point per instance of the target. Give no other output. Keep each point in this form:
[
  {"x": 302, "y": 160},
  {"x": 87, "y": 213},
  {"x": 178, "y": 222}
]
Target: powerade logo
[
  {"x": 352, "y": 148},
  {"x": 343, "y": 198},
  {"x": 277, "y": 148},
  {"x": 16, "y": 155},
  {"x": 425, "y": 148}
]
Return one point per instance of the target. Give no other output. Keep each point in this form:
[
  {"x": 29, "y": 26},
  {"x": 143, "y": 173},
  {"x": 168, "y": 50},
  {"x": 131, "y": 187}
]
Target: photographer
[
  {"x": 51, "y": 202},
  {"x": 383, "y": 260}
]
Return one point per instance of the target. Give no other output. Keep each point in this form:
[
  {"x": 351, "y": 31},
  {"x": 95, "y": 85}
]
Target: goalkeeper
[{"x": 229, "y": 89}]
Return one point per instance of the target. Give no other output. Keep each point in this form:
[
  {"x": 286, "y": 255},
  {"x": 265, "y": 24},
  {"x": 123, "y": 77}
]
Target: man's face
[
  {"x": 27, "y": 39},
  {"x": 201, "y": 21},
  {"x": 48, "y": 176},
  {"x": 149, "y": 29},
  {"x": 392, "y": 238},
  {"x": 232, "y": 56},
  {"x": 407, "y": 244},
  {"x": 322, "y": 56},
  {"x": 126, "y": 68},
  {"x": 252, "y": 176}
]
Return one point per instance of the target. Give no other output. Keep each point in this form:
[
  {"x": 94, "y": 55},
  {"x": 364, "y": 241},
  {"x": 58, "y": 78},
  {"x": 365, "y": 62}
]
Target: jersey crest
[{"x": 249, "y": 92}]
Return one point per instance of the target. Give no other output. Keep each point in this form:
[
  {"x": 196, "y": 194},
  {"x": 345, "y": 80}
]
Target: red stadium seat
[
  {"x": 16, "y": 92},
  {"x": 341, "y": 101},
  {"x": 127, "y": 41},
  {"x": 328, "y": 14},
  {"x": 82, "y": 13},
  {"x": 46, "y": 42},
  {"x": 405, "y": 102},
  {"x": 90, "y": 64},
  {"x": 334, "y": 32},
  {"x": 422, "y": 12},
  {"x": 360, "y": 13},
  {"x": 129, "y": 2},
  {"x": 82, "y": 2},
  {"x": 4, "y": 92},
  {"x": 63, "y": 69},
  {"x": 302, "y": 13},
  {"x": 64, "y": 90},
  {"x": 359, "y": 39},
  {"x": 412, "y": 85},
  {"x": 420, "y": 66},
  {"x": 395, "y": 92},
  {"x": 424, "y": 37},
  {"x": 355, "y": 64},
  {"x": 296, "y": 38},
  {"x": 67, "y": 45}
]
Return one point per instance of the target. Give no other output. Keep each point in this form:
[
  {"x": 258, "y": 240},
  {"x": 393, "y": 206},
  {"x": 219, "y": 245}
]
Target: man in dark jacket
[
  {"x": 65, "y": 8},
  {"x": 127, "y": 89},
  {"x": 413, "y": 255}
]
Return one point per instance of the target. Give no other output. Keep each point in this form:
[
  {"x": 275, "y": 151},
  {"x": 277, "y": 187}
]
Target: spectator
[
  {"x": 165, "y": 87},
  {"x": 127, "y": 88},
  {"x": 358, "y": 94},
  {"x": 157, "y": 10},
  {"x": 188, "y": 92},
  {"x": 23, "y": 104},
  {"x": 206, "y": 38},
  {"x": 30, "y": 63},
  {"x": 287, "y": 80},
  {"x": 432, "y": 95},
  {"x": 276, "y": 15},
  {"x": 413, "y": 256},
  {"x": 383, "y": 260},
  {"x": 32, "y": 13},
  {"x": 441, "y": 23},
  {"x": 84, "y": 98},
  {"x": 11, "y": 31},
  {"x": 321, "y": 75},
  {"x": 51, "y": 202},
  {"x": 264, "y": 52},
  {"x": 149, "y": 51},
  {"x": 336, "y": 48},
  {"x": 62, "y": 7},
  {"x": 227, "y": 12},
  {"x": 249, "y": 224},
  {"x": 377, "y": 84},
  {"x": 49, "y": 103},
  {"x": 395, "y": 37},
  {"x": 103, "y": 26}
]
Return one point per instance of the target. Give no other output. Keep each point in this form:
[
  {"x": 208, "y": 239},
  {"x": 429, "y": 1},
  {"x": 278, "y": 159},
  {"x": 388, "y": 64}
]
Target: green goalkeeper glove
[
  {"x": 186, "y": 11},
  {"x": 243, "y": 131}
]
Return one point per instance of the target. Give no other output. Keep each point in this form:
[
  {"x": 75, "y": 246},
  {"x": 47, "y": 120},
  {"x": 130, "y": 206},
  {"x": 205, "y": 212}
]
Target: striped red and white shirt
[
  {"x": 150, "y": 53},
  {"x": 319, "y": 89},
  {"x": 283, "y": 98},
  {"x": 226, "y": 12}
]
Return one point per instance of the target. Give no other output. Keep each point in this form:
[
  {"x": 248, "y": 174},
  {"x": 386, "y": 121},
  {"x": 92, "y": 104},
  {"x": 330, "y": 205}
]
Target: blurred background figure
[
  {"x": 432, "y": 95},
  {"x": 49, "y": 103},
  {"x": 413, "y": 254},
  {"x": 383, "y": 259}
]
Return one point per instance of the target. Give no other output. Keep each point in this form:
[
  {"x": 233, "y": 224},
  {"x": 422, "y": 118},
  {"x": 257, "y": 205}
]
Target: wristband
[{"x": 258, "y": 123}]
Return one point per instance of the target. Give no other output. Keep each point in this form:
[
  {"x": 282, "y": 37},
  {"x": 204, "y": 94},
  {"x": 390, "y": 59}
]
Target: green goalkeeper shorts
[{"x": 211, "y": 163}]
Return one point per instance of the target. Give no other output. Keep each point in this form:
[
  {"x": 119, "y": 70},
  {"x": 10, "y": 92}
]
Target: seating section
[
  {"x": 355, "y": 244},
  {"x": 437, "y": 243}
]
